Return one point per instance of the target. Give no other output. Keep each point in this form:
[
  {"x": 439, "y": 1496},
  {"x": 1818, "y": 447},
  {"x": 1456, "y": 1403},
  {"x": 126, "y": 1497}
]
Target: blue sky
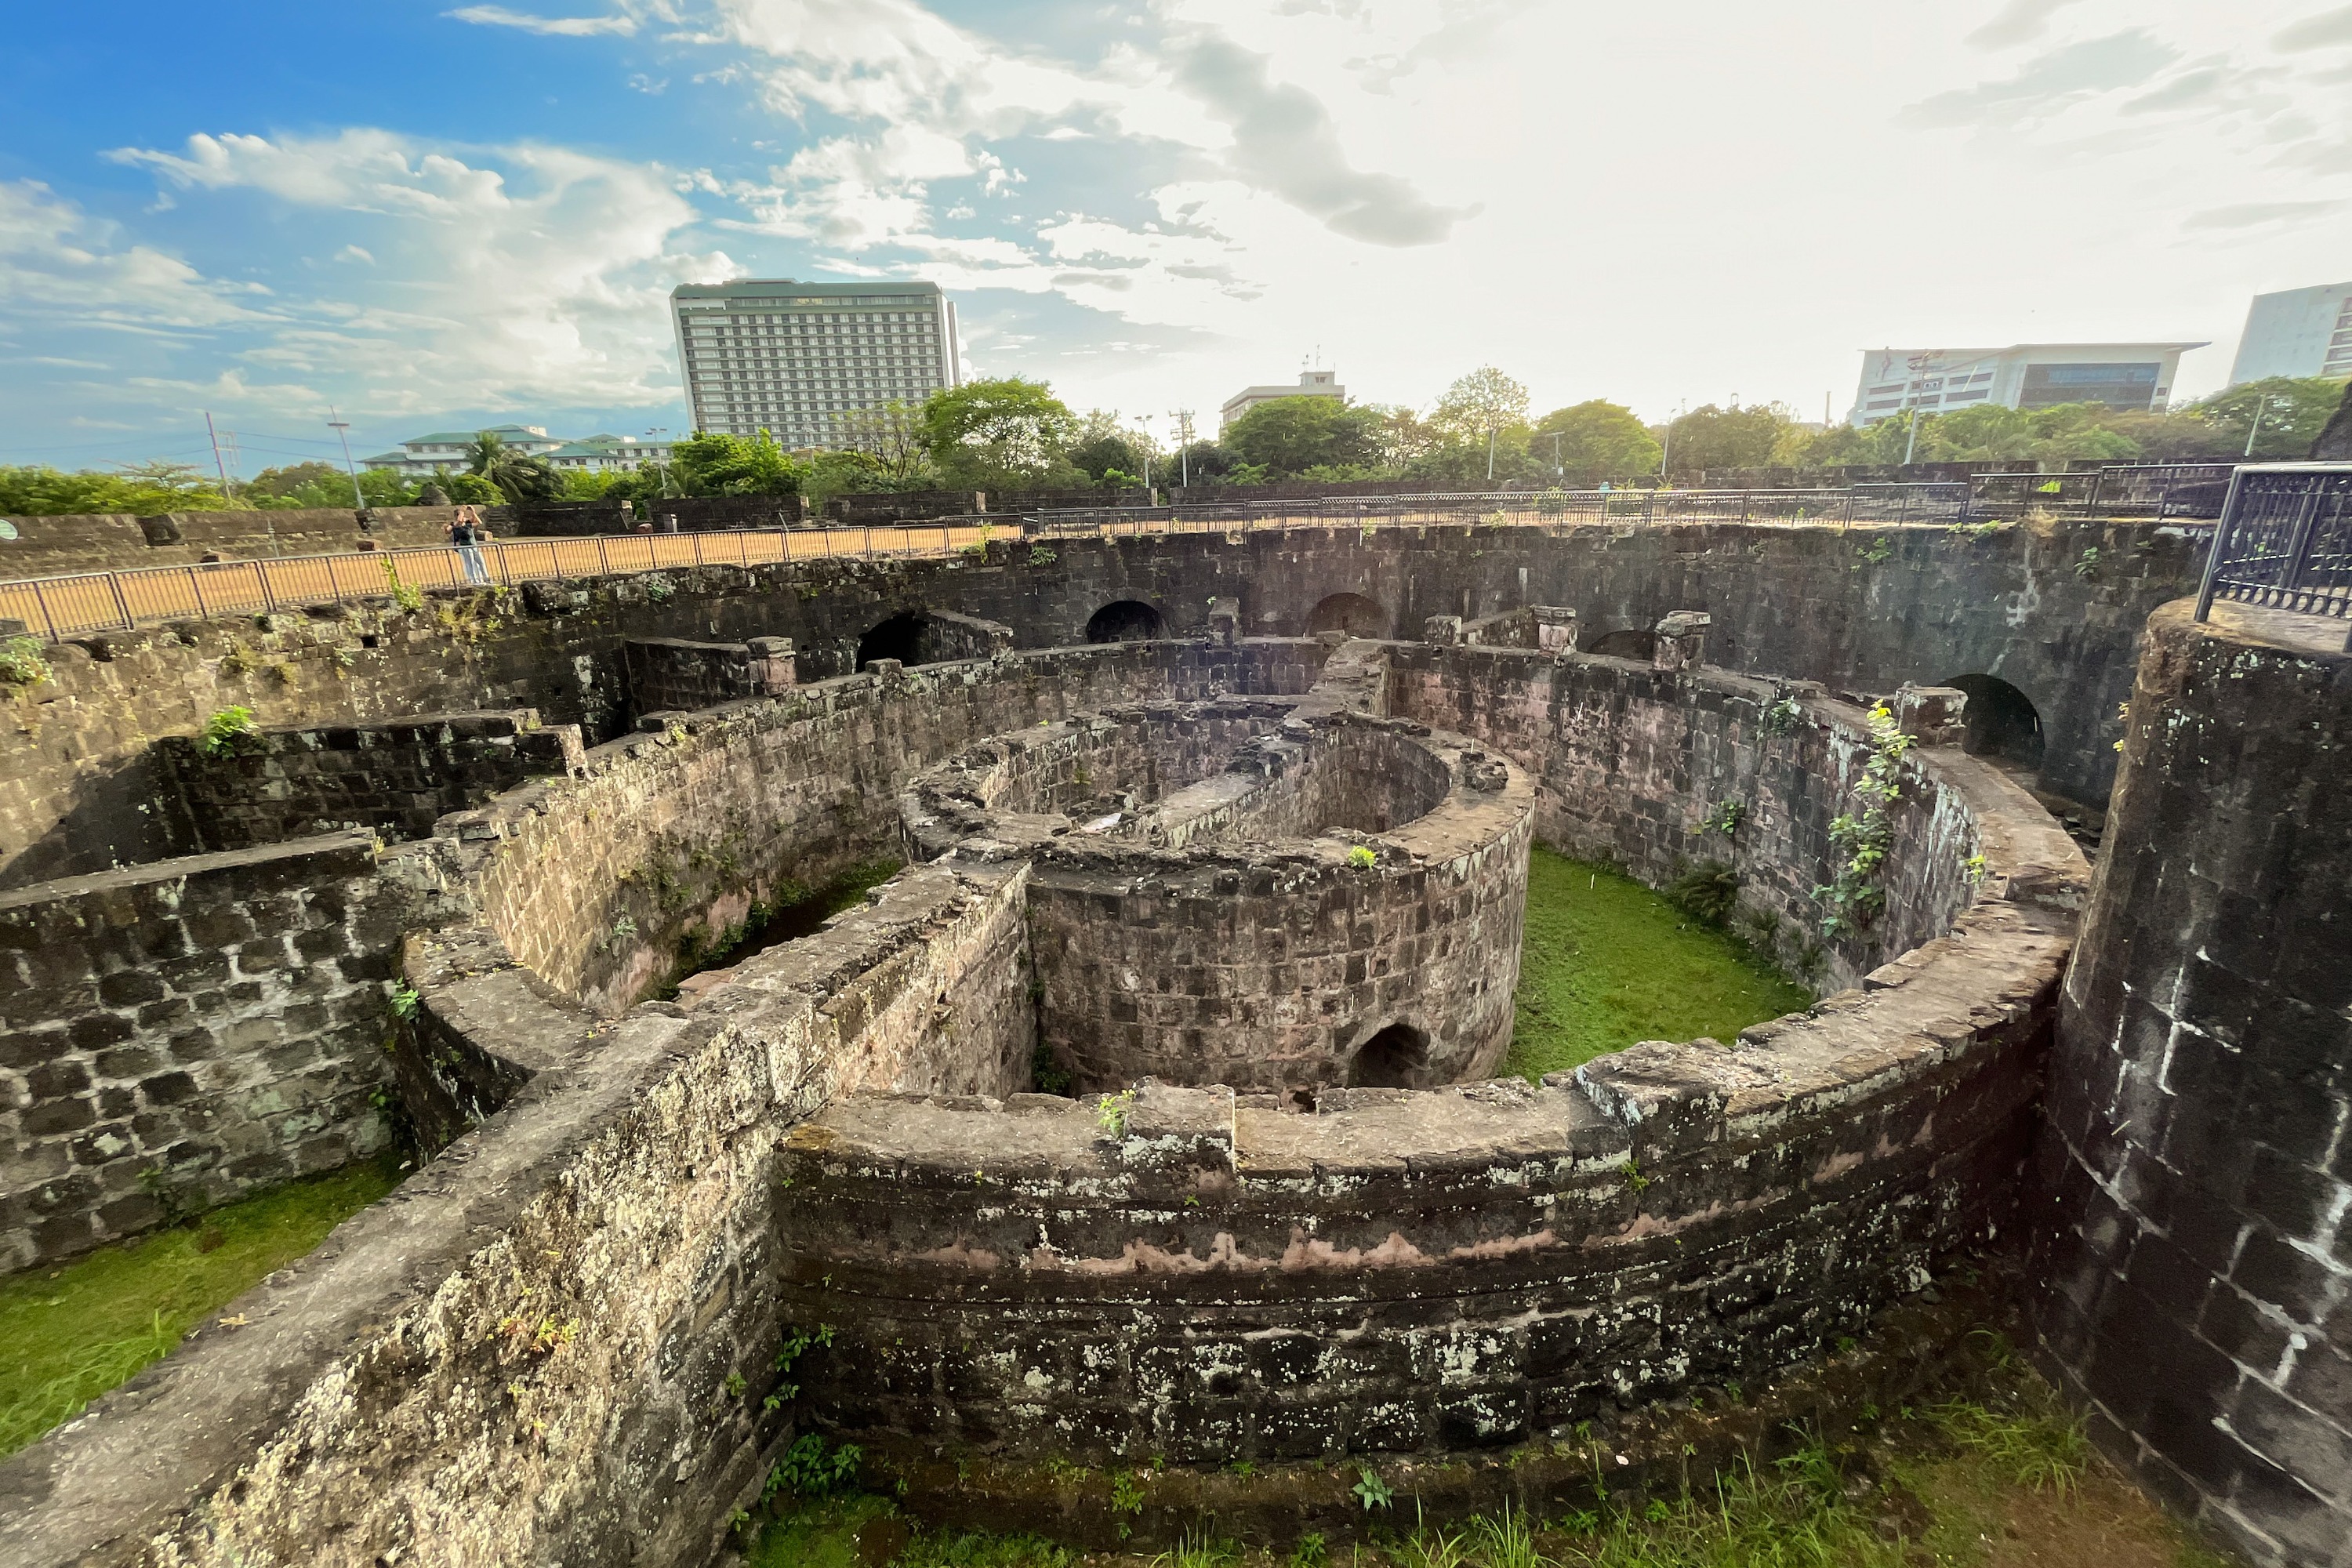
[{"x": 432, "y": 216}]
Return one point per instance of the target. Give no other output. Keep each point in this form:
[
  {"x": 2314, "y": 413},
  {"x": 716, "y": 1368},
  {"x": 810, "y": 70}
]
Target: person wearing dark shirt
[{"x": 466, "y": 532}]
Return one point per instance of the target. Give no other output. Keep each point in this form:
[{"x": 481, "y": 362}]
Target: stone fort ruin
[{"x": 1149, "y": 1115}]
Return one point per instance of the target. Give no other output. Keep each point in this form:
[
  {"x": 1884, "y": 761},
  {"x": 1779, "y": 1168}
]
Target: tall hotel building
[{"x": 790, "y": 358}]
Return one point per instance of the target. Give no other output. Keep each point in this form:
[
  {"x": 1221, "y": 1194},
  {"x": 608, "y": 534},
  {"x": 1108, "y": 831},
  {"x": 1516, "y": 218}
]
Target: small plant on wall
[
  {"x": 1854, "y": 899},
  {"x": 227, "y": 730}
]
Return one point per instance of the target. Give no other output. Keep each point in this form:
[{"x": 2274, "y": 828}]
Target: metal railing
[
  {"x": 2188, "y": 491},
  {"x": 1897, "y": 503},
  {"x": 90, "y": 602},
  {"x": 86, "y": 602},
  {"x": 2284, "y": 542}
]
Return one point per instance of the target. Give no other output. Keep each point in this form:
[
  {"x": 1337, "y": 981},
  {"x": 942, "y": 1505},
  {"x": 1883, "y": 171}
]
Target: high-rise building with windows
[
  {"x": 793, "y": 359},
  {"x": 2296, "y": 332},
  {"x": 2023, "y": 376}
]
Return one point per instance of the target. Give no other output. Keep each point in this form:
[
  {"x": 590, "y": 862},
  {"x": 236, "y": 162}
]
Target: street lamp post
[{"x": 340, "y": 426}]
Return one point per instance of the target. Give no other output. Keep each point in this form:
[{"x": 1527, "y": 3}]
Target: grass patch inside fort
[
  {"x": 69, "y": 1333},
  {"x": 1606, "y": 962}
]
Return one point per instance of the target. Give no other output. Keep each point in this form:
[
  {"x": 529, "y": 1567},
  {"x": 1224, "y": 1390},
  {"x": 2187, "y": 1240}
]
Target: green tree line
[{"x": 1012, "y": 434}]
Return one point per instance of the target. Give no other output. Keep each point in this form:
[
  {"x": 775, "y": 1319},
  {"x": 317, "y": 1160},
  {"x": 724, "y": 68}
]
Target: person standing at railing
[{"x": 468, "y": 535}]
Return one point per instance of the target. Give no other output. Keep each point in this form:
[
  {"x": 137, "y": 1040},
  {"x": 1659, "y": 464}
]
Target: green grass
[
  {"x": 69, "y": 1333},
  {"x": 1607, "y": 962}
]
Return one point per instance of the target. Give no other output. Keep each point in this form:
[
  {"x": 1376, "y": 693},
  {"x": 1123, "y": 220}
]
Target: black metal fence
[{"x": 2284, "y": 541}]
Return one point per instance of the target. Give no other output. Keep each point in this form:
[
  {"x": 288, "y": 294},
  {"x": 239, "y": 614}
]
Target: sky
[{"x": 414, "y": 216}]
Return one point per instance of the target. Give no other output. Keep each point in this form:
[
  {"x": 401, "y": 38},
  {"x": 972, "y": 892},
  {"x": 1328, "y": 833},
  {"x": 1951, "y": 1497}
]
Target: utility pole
[
  {"x": 213, "y": 436},
  {"x": 1183, "y": 418},
  {"x": 2260, "y": 402},
  {"x": 1912, "y": 445},
  {"x": 340, "y": 426},
  {"x": 1145, "y": 420}
]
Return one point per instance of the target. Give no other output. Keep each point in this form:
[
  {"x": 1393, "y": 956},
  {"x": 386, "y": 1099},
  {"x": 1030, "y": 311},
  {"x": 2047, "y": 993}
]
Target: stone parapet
[{"x": 176, "y": 1036}]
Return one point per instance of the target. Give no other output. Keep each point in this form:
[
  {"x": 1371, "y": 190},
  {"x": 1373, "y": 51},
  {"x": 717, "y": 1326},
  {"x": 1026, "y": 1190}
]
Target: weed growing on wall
[
  {"x": 407, "y": 595},
  {"x": 22, "y": 662},
  {"x": 1706, "y": 892},
  {"x": 1855, "y": 899},
  {"x": 1111, "y": 1112},
  {"x": 1725, "y": 818},
  {"x": 227, "y": 730},
  {"x": 1780, "y": 717}
]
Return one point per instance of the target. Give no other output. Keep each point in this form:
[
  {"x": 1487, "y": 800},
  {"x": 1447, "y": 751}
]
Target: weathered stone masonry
[
  {"x": 2195, "y": 1201},
  {"x": 1796, "y": 601},
  {"x": 178, "y": 1035}
]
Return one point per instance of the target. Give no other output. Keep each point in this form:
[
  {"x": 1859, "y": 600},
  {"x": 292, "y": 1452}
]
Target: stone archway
[
  {"x": 1395, "y": 1057},
  {"x": 1126, "y": 620},
  {"x": 2002, "y": 721},
  {"x": 1636, "y": 643},
  {"x": 1349, "y": 613},
  {"x": 899, "y": 638}
]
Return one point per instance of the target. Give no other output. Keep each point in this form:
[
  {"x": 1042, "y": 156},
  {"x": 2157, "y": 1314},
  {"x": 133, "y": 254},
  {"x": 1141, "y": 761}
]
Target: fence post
[
  {"x": 121, "y": 600},
  {"x": 198, "y": 588},
  {"x": 269, "y": 599},
  {"x": 2298, "y": 548},
  {"x": 41, "y": 600},
  {"x": 603, "y": 560},
  {"x": 2213, "y": 552}
]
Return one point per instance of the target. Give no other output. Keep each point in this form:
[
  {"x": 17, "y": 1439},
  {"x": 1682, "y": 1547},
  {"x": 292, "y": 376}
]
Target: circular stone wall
[
  {"x": 1210, "y": 1276},
  {"x": 1267, "y": 894}
]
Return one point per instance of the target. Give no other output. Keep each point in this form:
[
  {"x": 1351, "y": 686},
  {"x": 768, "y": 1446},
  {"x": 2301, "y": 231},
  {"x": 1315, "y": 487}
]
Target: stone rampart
[
  {"x": 2195, "y": 1219},
  {"x": 673, "y": 675},
  {"x": 667, "y": 840},
  {"x": 1221, "y": 931},
  {"x": 1865, "y": 611},
  {"x": 397, "y": 778},
  {"x": 182, "y": 1034},
  {"x": 1637, "y": 765},
  {"x": 1210, "y": 1277},
  {"x": 554, "y": 1344}
]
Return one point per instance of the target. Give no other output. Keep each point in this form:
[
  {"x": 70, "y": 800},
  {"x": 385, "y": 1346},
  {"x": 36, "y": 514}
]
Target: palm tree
[{"x": 519, "y": 478}]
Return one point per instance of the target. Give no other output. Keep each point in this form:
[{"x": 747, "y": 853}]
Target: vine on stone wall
[{"x": 1855, "y": 899}]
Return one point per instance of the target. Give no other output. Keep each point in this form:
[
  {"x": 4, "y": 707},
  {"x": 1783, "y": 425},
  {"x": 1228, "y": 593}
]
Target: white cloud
[
  {"x": 550, "y": 26},
  {"x": 530, "y": 275},
  {"x": 57, "y": 262}
]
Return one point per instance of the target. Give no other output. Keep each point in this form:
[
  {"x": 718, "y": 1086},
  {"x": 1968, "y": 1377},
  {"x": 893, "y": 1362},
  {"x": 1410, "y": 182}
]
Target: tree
[
  {"x": 892, "y": 435},
  {"x": 1288, "y": 435},
  {"x": 1734, "y": 437},
  {"x": 1481, "y": 404},
  {"x": 711, "y": 463},
  {"x": 519, "y": 478},
  {"x": 2294, "y": 409},
  {"x": 1004, "y": 433},
  {"x": 1590, "y": 442},
  {"x": 142, "y": 490},
  {"x": 2334, "y": 444},
  {"x": 1108, "y": 452}
]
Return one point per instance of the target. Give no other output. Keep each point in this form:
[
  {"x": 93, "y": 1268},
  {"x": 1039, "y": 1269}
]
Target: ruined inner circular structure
[{"x": 1273, "y": 894}]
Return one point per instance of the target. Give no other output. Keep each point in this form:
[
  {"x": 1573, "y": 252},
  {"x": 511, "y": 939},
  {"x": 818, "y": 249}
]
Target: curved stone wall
[
  {"x": 1867, "y": 610},
  {"x": 2195, "y": 1222},
  {"x": 1221, "y": 932},
  {"x": 555, "y": 1342},
  {"x": 1208, "y": 1276}
]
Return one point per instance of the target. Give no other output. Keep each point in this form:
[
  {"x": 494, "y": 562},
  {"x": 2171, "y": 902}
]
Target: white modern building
[
  {"x": 2023, "y": 376},
  {"x": 793, "y": 358},
  {"x": 444, "y": 451},
  {"x": 1312, "y": 384},
  {"x": 2296, "y": 332}
]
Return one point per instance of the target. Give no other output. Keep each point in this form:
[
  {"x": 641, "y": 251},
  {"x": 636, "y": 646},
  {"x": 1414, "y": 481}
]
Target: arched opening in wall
[
  {"x": 2002, "y": 720},
  {"x": 1631, "y": 643},
  {"x": 899, "y": 638},
  {"x": 1349, "y": 613},
  {"x": 1126, "y": 620},
  {"x": 1396, "y": 1057}
]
